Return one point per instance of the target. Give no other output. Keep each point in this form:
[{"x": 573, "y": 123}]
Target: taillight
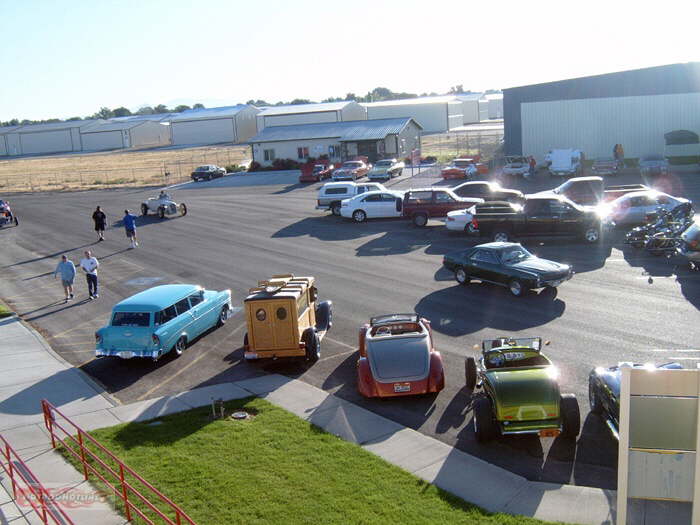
[
  {"x": 475, "y": 223},
  {"x": 155, "y": 339},
  {"x": 693, "y": 244},
  {"x": 450, "y": 218}
]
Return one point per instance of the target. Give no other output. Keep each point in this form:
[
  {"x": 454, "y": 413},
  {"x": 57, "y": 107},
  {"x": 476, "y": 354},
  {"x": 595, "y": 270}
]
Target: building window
[
  {"x": 334, "y": 151},
  {"x": 269, "y": 155},
  {"x": 303, "y": 153}
]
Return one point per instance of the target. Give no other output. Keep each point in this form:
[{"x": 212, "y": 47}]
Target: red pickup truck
[{"x": 421, "y": 204}]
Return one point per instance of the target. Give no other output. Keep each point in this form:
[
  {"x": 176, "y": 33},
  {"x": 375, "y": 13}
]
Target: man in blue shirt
[
  {"x": 67, "y": 270},
  {"x": 129, "y": 221}
]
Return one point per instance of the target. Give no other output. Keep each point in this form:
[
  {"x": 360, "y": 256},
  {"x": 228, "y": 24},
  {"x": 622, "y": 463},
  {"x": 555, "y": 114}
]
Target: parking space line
[
  {"x": 340, "y": 343},
  {"x": 341, "y": 354},
  {"x": 76, "y": 327},
  {"x": 187, "y": 366}
]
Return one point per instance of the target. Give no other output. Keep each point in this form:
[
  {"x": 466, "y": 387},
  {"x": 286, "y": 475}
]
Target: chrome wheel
[
  {"x": 461, "y": 276},
  {"x": 592, "y": 235},
  {"x": 500, "y": 237},
  {"x": 359, "y": 216},
  {"x": 180, "y": 346},
  {"x": 515, "y": 287}
]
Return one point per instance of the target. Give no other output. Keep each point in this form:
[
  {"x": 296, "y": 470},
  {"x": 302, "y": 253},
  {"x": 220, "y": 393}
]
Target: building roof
[
  {"x": 99, "y": 127},
  {"x": 444, "y": 99},
  {"x": 344, "y": 131},
  {"x": 209, "y": 113},
  {"x": 31, "y": 128},
  {"x": 305, "y": 108},
  {"x": 469, "y": 96},
  {"x": 157, "y": 117},
  {"x": 493, "y": 96},
  {"x": 156, "y": 298}
]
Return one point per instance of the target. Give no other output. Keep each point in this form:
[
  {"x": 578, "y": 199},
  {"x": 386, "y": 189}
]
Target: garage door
[
  {"x": 102, "y": 141},
  {"x": 3, "y": 149},
  {"x": 202, "y": 131},
  {"x": 46, "y": 142}
]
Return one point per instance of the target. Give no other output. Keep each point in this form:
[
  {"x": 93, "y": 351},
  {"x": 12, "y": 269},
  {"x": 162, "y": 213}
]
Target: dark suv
[
  {"x": 422, "y": 204},
  {"x": 208, "y": 172}
]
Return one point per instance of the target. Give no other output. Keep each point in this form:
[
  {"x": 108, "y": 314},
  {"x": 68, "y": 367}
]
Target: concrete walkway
[{"x": 30, "y": 371}]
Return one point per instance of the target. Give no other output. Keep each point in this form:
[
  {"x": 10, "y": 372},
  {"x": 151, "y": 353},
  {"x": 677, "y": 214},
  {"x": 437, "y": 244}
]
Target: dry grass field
[
  {"x": 447, "y": 146},
  {"x": 113, "y": 169}
]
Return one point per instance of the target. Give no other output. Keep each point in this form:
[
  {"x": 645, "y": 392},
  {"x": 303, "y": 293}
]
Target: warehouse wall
[
  {"x": 300, "y": 118},
  {"x": 288, "y": 149},
  {"x": 103, "y": 140},
  {"x": 353, "y": 112},
  {"x": 246, "y": 124},
  {"x": 470, "y": 111},
  {"x": 595, "y": 125},
  {"x": 47, "y": 142},
  {"x": 432, "y": 117},
  {"x": 3, "y": 146},
  {"x": 149, "y": 134},
  {"x": 209, "y": 131},
  {"x": 13, "y": 145}
]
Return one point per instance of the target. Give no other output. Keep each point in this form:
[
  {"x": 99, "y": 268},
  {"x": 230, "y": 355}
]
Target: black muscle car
[
  {"x": 604, "y": 392},
  {"x": 506, "y": 264}
]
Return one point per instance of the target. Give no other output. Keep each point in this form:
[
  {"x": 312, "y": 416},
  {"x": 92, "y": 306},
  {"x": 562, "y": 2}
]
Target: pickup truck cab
[
  {"x": 539, "y": 216},
  {"x": 421, "y": 204},
  {"x": 591, "y": 190},
  {"x": 331, "y": 194}
]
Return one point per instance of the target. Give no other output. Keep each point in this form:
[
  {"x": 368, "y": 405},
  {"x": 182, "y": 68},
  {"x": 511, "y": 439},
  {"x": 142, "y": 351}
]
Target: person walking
[
  {"x": 89, "y": 265},
  {"x": 129, "y": 221},
  {"x": 100, "y": 220},
  {"x": 67, "y": 270},
  {"x": 533, "y": 166}
]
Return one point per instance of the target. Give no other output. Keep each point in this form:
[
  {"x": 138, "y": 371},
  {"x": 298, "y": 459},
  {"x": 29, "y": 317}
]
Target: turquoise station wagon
[{"x": 160, "y": 319}]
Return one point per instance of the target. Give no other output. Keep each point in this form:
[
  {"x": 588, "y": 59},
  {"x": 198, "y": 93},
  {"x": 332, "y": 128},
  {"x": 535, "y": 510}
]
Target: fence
[
  {"x": 32, "y": 491},
  {"x": 447, "y": 146},
  {"x": 109, "y": 169},
  {"x": 117, "y": 476}
]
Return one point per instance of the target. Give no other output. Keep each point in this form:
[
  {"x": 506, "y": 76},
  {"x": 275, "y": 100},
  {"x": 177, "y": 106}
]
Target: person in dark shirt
[
  {"x": 129, "y": 221},
  {"x": 100, "y": 220}
]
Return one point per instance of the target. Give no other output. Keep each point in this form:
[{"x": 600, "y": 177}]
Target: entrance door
[{"x": 368, "y": 149}]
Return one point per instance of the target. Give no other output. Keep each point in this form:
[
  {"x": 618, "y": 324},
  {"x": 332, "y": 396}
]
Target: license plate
[
  {"x": 549, "y": 432},
  {"x": 402, "y": 387},
  {"x": 126, "y": 355}
]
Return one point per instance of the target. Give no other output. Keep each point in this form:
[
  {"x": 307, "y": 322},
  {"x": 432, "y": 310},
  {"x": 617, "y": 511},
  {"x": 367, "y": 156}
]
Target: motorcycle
[{"x": 661, "y": 224}]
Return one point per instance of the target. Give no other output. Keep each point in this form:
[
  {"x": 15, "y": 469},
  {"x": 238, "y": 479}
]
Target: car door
[
  {"x": 443, "y": 203},
  {"x": 568, "y": 221},
  {"x": 389, "y": 206},
  {"x": 484, "y": 264},
  {"x": 184, "y": 321},
  {"x": 203, "y": 312},
  {"x": 372, "y": 205},
  {"x": 539, "y": 218}
]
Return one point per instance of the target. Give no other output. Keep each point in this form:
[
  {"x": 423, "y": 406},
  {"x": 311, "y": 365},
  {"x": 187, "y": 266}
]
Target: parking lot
[{"x": 622, "y": 305}]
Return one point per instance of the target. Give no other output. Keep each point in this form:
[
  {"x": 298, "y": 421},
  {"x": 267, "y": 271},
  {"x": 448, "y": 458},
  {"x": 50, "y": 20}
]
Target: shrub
[
  {"x": 234, "y": 168},
  {"x": 254, "y": 166}
]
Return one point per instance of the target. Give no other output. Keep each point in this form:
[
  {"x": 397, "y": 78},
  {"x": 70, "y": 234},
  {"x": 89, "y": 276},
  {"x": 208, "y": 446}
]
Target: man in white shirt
[{"x": 89, "y": 265}]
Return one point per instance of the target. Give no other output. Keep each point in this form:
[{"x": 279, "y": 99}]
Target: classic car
[
  {"x": 161, "y": 319},
  {"x": 605, "y": 166},
  {"x": 397, "y": 357},
  {"x": 6, "y": 215},
  {"x": 539, "y": 216},
  {"x": 463, "y": 168},
  {"x": 633, "y": 207},
  {"x": 520, "y": 392},
  {"x": 284, "y": 319},
  {"x": 421, "y": 204},
  {"x": 506, "y": 264},
  {"x": 207, "y": 172},
  {"x": 653, "y": 166},
  {"x": 316, "y": 172},
  {"x": 690, "y": 245},
  {"x": 385, "y": 169},
  {"x": 372, "y": 205},
  {"x": 516, "y": 166},
  {"x": 489, "y": 191},
  {"x": 331, "y": 195},
  {"x": 163, "y": 205},
  {"x": 604, "y": 391},
  {"x": 351, "y": 170}
]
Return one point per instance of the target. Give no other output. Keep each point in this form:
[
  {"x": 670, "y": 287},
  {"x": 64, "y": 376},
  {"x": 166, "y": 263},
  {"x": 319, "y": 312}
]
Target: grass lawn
[
  {"x": 4, "y": 310},
  {"x": 277, "y": 468}
]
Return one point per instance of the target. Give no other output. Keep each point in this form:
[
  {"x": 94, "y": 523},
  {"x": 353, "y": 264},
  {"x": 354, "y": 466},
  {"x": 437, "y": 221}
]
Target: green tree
[
  {"x": 298, "y": 101},
  {"x": 104, "y": 113},
  {"x": 198, "y": 106},
  {"x": 161, "y": 108},
  {"x": 73, "y": 119},
  {"x": 181, "y": 108},
  {"x": 121, "y": 112},
  {"x": 145, "y": 110},
  {"x": 350, "y": 96}
]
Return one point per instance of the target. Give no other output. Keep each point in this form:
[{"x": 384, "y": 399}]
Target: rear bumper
[
  {"x": 253, "y": 355},
  {"x": 528, "y": 427},
  {"x": 129, "y": 354}
]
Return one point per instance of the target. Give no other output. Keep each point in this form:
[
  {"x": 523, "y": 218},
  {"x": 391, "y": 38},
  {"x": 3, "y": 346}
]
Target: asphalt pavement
[{"x": 620, "y": 306}]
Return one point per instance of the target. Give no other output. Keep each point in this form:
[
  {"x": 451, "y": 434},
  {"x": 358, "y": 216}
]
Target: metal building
[
  {"x": 433, "y": 114},
  {"x": 126, "y": 134},
  {"x": 375, "y": 139},
  {"x": 231, "y": 124},
  {"x": 633, "y": 108},
  {"x": 310, "y": 114},
  {"x": 491, "y": 106},
  {"x": 5, "y": 131},
  {"x": 470, "y": 107},
  {"x": 38, "y": 139}
]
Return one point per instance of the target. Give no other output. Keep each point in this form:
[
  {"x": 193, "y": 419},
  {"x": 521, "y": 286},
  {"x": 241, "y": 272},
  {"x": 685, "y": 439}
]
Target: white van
[
  {"x": 566, "y": 162},
  {"x": 332, "y": 193}
]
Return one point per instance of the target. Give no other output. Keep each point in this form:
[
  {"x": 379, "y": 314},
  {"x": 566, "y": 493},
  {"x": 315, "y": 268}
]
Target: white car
[
  {"x": 516, "y": 166},
  {"x": 385, "y": 169},
  {"x": 632, "y": 208},
  {"x": 163, "y": 205},
  {"x": 372, "y": 205},
  {"x": 331, "y": 194},
  {"x": 459, "y": 220}
]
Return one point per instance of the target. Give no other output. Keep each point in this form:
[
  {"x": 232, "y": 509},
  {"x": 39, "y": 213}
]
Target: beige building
[
  {"x": 123, "y": 135},
  {"x": 232, "y": 124},
  {"x": 433, "y": 114},
  {"x": 310, "y": 114},
  {"x": 39, "y": 139}
]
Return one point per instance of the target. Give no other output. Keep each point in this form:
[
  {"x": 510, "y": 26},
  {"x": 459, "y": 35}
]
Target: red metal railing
[
  {"x": 26, "y": 483},
  {"x": 76, "y": 443}
]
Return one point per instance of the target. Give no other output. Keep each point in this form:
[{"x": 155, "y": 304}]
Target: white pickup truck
[{"x": 566, "y": 163}]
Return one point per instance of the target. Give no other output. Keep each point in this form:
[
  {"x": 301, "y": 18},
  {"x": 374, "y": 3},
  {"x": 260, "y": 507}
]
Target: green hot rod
[{"x": 521, "y": 393}]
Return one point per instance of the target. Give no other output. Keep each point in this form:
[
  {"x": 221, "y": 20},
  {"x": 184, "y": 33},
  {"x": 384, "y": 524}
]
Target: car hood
[
  {"x": 524, "y": 394},
  {"x": 459, "y": 213},
  {"x": 653, "y": 164},
  {"x": 399, "y": 358},
  {"x": 540, "y": 266}
]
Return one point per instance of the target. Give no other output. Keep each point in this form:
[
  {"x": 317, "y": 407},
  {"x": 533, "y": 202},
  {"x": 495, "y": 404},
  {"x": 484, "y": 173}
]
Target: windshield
[
  {"x": 653, "y": 158},
  {"x": 131, "y": 319},
  {"x": 462, "y": 163},
  {"x": 384, "y": 163},
  {"x": 514, "y": 255},
  {"x": 562, "y": 188},
  {"x": 352, "y": 165}
]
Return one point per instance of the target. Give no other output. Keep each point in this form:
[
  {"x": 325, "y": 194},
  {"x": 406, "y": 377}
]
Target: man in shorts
[
  {"x": 67, "y": 270},
  {"x": 129, "y": 221},
  {"x": 100, "y": 220}
]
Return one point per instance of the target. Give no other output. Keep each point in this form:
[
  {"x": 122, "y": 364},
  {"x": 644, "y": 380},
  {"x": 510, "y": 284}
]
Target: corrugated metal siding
[
  {"x": 202, "y": 131},
  {"x": 302, "y": 118},
  {"x": 353, "y": 130},
  {"x": 432, "y": 117},
  {"x": 46, "y": 142},
  {"x": 102, "y": 141},
  {"x": 595, "y": 125}
]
